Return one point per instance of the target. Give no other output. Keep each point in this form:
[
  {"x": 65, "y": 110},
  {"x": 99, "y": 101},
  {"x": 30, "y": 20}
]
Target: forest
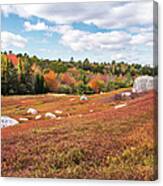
[{"x": 23, "y": 74}]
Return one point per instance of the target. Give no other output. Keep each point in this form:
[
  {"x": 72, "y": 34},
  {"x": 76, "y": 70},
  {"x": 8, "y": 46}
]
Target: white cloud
[
  {"x": 44, "y": 50},
  {"x": 79, "y": 40},
  {"x": 129, "y": 27},
  {"x": 118, "y": 57},
  {"x": 102, "y": 14},
  {"x": 10, "y": 40},
  {"x": 19, "y": 10},
  {"x": 142, "y": 38},
  {"x": 35, "y": 27}
]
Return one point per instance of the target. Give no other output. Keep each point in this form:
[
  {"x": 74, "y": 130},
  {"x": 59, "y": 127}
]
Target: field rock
[
  {"x": 50, "y": 115},
  {"x": 38, "y": 117},
  {"x": 72, "y": 99},
  {"x": 32, "y": 111},
  {"x": 58, "y": 118},
  {"x": 144, "y": 83},
  {"x": 58, "y": 111},
  {"x": 123, "y": 95},
  {"x": 83, "y": 98},
  {"x": 23, "y": 119},
  {"x": 126, "y": 94},
  {"x": 8, "y": 121},
  {"x": 120, "y": 106}
]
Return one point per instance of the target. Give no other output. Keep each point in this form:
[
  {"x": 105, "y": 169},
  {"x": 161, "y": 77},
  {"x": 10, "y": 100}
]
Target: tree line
[{"x": 23, "y": 74}]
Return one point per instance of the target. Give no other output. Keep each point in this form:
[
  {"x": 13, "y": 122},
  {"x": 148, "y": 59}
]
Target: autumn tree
[
  {"x": 51, "y": 81},
  {"x": 66, "y": 78},
  {"x": 96, "y": 84}
]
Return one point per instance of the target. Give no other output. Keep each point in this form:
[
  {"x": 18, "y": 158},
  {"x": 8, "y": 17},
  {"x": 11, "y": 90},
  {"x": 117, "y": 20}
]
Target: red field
[{"x": 92, "y": 139}]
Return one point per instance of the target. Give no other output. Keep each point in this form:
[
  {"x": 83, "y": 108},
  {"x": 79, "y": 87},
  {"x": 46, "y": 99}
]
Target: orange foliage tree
[
  {"x": 97, "y": 84},
  {"x": 51, "y": 80},
  {"x": 67, "y": 79}
]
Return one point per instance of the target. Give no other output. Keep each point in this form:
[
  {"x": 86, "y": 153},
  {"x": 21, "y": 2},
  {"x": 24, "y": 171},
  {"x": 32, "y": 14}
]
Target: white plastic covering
[{"x": 144, "y": 83}]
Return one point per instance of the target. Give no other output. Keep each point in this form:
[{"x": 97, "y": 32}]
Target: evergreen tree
[{"x": 9, "y": 77}]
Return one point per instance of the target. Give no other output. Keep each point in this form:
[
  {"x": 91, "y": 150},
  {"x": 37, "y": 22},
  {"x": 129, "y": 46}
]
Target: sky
[{"x": 99, "y": 31}]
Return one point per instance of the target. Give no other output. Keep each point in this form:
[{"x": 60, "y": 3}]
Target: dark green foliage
[
  {"x": 83, "y": 89},
  {"x": 65, "y": 89},
  {"x": 58, "y": 67},
  {"x": 39, "y": 84},
  {"x": 9, "y": 79},
  {"x": 112, "y": 86},
  {"x": 83, "y": 77}
]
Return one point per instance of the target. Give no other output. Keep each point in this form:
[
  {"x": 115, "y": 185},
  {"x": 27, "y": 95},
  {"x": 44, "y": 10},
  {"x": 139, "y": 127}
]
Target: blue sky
[{"x": 101, "y": 31}]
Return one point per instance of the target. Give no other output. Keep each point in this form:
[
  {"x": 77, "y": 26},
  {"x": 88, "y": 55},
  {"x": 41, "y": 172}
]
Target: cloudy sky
[{"x": 101, "y": 31}]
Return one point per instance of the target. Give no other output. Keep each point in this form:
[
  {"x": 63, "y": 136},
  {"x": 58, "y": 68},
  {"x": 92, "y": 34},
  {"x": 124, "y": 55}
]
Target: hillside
[
  {"x": 22, "y": 74},
  {"x": 91, "y": 139}
]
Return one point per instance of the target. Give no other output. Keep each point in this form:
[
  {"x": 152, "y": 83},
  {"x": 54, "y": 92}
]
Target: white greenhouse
[{"x": 144, "y": 83}]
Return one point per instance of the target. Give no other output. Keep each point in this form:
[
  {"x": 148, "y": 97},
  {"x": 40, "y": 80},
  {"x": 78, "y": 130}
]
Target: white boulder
[
  {"x": 120, "y": 106},
  {"x": 8, "y": 121},
  {"x": 50, "y": 115},
  {"x": 125, "y": 94},
  {"x": 83, "y": 98},
  {"x": 38, "y": 117},
  {"x": 23, "y": 119},
  {"x": 32, "y": 111},
  {"x": 58, "y": 111}
]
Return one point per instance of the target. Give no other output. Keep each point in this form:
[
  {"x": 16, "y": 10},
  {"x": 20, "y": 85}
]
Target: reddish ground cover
[{"x": 91, "y": 140}]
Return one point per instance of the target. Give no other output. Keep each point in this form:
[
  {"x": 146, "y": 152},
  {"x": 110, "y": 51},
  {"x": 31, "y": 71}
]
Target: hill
[{"x": 23, "y": 74}]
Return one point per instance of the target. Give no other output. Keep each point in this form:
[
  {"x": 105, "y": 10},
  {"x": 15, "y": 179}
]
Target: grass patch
[
  {"x": 69, "y": 159},
  {"x": 133, "y": 162}
]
